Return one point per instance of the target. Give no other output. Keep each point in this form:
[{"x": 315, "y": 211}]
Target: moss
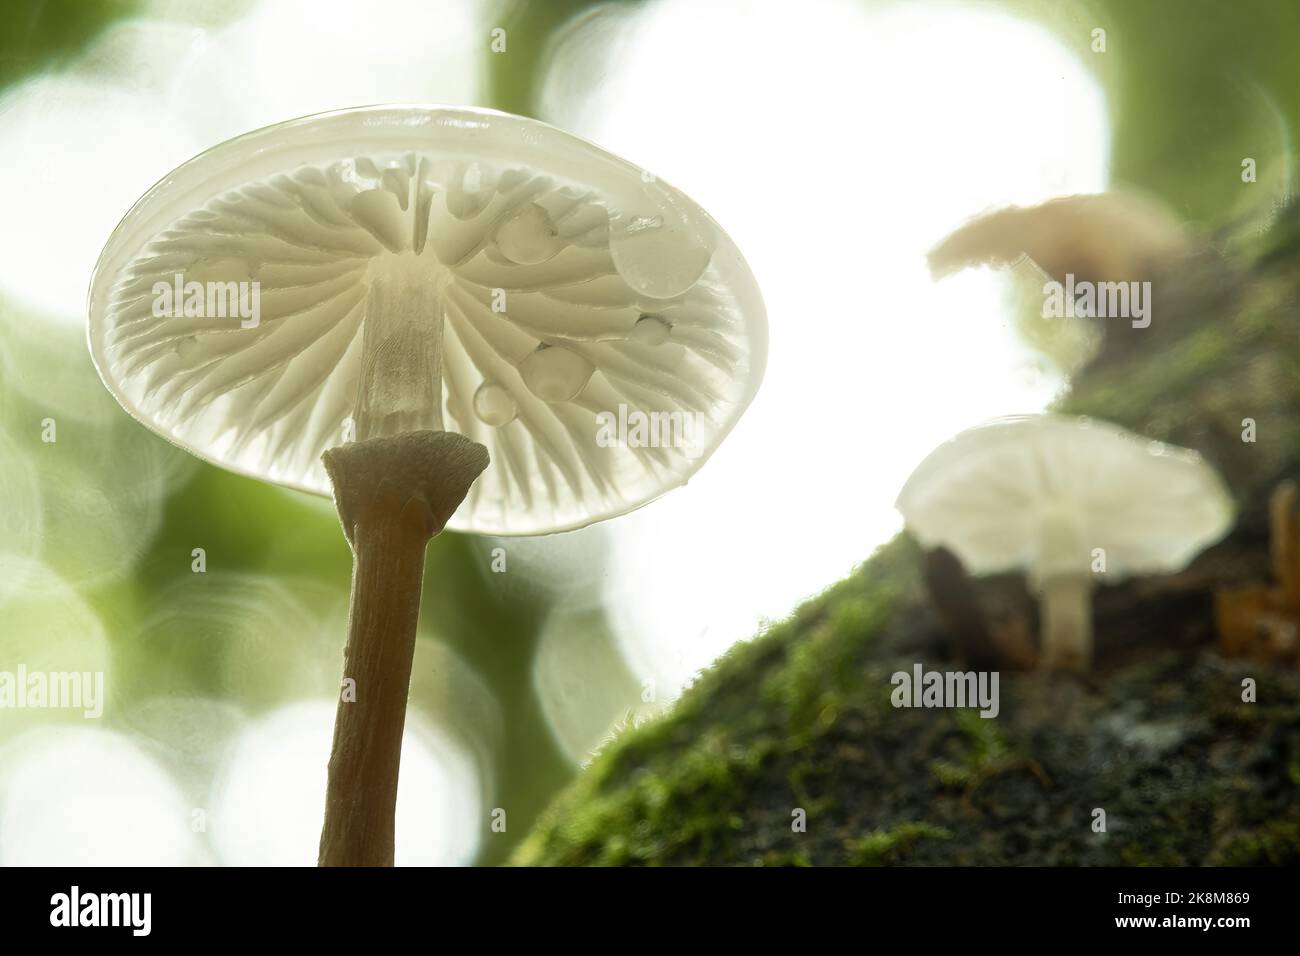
[
  {"x": 683, "y": 809},
  {"x": 1162, "y": 744},
  {"x": 1164, "y": 854},
  {"x": 883, "y": 847},
  {"x": 817, "y": 678},
  {"x": 985, "y": 750},
  {"x": 784, "y": 859},
  {"x": 689, "y": 810},
  {"x": 1274, "y": 844},
  {"x": 1122, "y": 394},
  {"x": 950, "y": 774}
]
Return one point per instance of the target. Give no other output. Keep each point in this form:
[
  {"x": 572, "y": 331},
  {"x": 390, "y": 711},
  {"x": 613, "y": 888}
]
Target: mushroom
[
  {"x": 418, "y": 289},
  {"x": 1065, "y": 499},
  {"x": 1105, "y": 237},
  {"x": 1263, "y": 620}
]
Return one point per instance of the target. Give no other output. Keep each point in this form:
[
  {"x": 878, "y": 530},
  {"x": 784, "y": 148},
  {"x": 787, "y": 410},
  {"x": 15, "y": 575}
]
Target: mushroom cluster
[
  {"x": 436, "y": 288},
  {"x": 1067, "y": 500}
]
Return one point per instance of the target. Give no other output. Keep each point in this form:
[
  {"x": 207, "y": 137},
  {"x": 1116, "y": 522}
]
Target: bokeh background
[{"x": 836, "y": 140}]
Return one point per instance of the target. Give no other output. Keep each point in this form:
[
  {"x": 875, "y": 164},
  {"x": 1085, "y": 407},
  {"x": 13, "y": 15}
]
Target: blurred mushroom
[
  {"x": 1119, "y": 244},
  {"x": 1284, "y": 541},
  {"x": 1105, "y": 237},
  {"x": 1263, "y": 621},
  {"x": 437, "y": 284},
  {"x": 1044, "y": 493}
]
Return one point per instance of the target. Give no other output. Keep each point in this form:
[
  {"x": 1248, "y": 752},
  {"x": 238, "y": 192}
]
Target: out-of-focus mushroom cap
[
  {"x": 1113, "y": 236},
  {"x": 578, "y": 294},
  {"x": 998, "y": 496}
]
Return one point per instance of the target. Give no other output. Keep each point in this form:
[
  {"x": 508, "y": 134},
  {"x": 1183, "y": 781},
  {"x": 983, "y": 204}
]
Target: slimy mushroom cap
[
  {"x": 427, "y": 267},
  {"x": 1040, "y": 493}
]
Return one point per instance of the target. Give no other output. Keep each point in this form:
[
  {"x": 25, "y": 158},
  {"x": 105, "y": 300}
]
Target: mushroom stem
[
  {"x": 393, "y": 494},
  {"x": 401, "y": 350},
  {"x": 1066, "y": 623},
  {"x": 1284, "y": 540}
]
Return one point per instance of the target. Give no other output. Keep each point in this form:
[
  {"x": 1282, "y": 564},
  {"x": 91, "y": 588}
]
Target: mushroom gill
[{"x": 402, "y": 292}]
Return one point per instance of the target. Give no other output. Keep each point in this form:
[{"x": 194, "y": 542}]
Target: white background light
[
  {"x": 271, "y": 794},
  {"x": 89, "y": 797},
  {"x": 836, "y": 142}
]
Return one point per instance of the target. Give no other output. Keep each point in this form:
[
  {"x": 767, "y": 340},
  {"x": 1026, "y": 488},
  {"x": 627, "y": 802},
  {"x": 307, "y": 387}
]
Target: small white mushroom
[
  {"x": 439, "y": 284},
  {"x": 1065, "y": 499}
]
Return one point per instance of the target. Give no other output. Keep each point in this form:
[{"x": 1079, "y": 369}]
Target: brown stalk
[{"x": 392, "y": 494}]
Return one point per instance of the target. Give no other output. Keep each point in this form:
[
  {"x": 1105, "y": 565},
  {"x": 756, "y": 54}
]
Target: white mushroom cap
[
  {"x": 570, "y": 284},
  {"x": 1039, "y": 493}
]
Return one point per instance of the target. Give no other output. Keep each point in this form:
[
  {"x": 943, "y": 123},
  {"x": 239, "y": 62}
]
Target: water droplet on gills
[
  {"x": 555, "y": 373},
  {"x": 650, "y": 330},
  {"x": 663, "y": 251},
  {"x": 494, "y": 405}
]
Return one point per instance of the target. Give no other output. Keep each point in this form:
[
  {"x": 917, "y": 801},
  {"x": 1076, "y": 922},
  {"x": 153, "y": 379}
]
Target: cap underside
[{"x": 586, "y": 322}]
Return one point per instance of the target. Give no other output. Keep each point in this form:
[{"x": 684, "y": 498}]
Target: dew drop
[
  {"x": 494, "y": 405},
  {"x": 650, "y": 330},
  {"x": 529, "y": 237},
  {"x": 555, "y": 374},
  {"x": 661, "y": 252}
]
